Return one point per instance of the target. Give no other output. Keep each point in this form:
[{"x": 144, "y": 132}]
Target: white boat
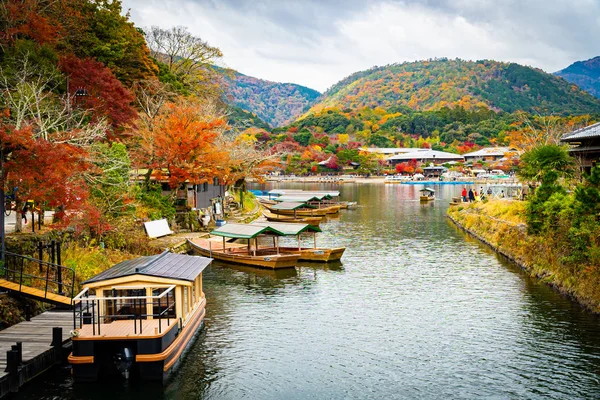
[{"x": 396, "y": 179}]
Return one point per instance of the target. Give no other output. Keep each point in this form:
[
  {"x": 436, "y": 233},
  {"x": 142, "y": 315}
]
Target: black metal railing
[
  {"x": 87, "y": 310},
  {"x": 41, "y": 275}
]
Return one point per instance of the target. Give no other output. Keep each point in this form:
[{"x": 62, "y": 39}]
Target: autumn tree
[
  {"x": 92, "y": 86},
  {"x": 180, "y": 144}
]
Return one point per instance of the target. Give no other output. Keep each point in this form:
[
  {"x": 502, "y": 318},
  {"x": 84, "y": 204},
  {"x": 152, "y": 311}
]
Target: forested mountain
[
  {"x": 585, "y": 74},
  {"x": 433, "y": 84},
  {"x": 275, "y": 103}
]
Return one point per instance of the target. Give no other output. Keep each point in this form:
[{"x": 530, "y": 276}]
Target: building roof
[
  {"x": 244, "y": 231},
  {"x": 391, "y": 150},
  {"x": 489, "y": 152},
  {"x": 426, "y": 155},
  {"x": 289, "y": 229},
  {"x": 164, "y": 265},
  {"x": 592, "y": 131}
]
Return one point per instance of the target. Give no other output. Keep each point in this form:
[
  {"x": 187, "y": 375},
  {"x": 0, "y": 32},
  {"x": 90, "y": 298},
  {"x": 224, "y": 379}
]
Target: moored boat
[
  {"x": 296, "y": 209},
  {"x": 287, "y": 218},
  {"x": 396, "y": 179},
  {"x": 249, "y": 254},
  {"x": 318, "y": 254},
  {"x": 137, "y": 319}
]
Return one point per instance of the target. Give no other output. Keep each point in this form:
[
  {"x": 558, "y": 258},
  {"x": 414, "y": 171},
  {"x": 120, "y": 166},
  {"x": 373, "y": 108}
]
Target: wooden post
[
  {"x": 223, "y": 244},
  {"x": 255, "y": 246},
  {"x": 274, "y": 245},
  {"x": 315, "y": 239},
  {"x": 56, "y": 336},
  {"x": 277, "y": 246},
  {"x": 299, "y": 247}
]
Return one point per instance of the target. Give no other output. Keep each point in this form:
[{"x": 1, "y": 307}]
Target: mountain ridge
[
  {"x": 437, "y": 83},
  {"x": 585, "y": 74},
  {"x": 275, "y": 103}
]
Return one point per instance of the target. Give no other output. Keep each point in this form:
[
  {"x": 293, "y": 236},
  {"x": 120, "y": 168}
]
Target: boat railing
[{"x": 93, "y": 310}]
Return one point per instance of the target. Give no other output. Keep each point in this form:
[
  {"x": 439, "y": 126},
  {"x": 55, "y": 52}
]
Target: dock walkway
[{"x": 38, "y": 354}]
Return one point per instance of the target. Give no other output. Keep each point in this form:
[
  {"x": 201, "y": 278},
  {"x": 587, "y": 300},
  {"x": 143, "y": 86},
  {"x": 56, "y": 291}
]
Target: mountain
[
  {"x": 275, "y": 103},
  {"x": 585, "y": 74},
  {"x": 434, "y": 84}
]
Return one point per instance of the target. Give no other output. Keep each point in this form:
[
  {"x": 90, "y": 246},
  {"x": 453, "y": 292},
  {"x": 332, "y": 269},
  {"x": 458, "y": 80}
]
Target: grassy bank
[{"x": 501, "y": 224}]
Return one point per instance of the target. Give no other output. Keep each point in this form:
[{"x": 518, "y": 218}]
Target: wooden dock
[{"x": 38, "y": 352}]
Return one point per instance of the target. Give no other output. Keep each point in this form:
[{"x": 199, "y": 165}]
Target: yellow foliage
[{"x": 343, "y": 138}]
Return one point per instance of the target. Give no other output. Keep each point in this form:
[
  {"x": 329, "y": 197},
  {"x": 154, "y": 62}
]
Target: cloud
[{"x": 316, "y": 43}]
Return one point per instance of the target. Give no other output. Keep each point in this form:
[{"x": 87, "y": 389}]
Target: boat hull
[
  {"x": 316, "y": 254},
  {"x": 272, "y": 261},
  {"x": 156, "y": 357},
  {"x": 425, "y": 199}
]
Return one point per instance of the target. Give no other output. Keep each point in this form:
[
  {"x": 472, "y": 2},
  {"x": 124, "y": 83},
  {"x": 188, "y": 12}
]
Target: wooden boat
[
  {"x": 427, "y": 194},
  {"x": 297, "y": 209},
  {"x": 396, "y": 179},
  {"x": 319, "y": 254},
  {"x": 322, "y": 201},
  {"x": 137, "y": 318},
  {"x": 238, "y": 253},
  {"x": 286, "y": 218}
]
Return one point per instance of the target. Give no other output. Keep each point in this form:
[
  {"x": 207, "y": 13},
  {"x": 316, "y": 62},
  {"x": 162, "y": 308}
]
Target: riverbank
[{"x": 501, "y": 225}]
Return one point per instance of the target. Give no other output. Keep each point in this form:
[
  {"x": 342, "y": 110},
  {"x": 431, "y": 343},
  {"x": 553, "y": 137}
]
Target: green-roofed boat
[
  {"x": 296, "y": 208},
  {"x": 245, "y": 254},
  {"x": 315, "y": 221},
  {"x": 319, "y": 254},
  {"x": 427, "y": 195}
]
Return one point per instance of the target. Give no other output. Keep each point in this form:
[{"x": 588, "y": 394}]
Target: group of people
[{"x": 472, "y": 195}]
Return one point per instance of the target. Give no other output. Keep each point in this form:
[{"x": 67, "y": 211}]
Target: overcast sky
[{"x": 316, "y": 43}]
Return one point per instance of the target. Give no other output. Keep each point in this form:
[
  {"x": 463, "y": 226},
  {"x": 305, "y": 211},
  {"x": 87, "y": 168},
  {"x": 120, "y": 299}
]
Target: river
[{"x": 418, "y": 310}]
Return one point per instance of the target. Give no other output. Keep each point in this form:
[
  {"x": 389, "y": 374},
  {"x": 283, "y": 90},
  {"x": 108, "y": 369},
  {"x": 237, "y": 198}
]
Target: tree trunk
[{"x": 18, "y": 216}]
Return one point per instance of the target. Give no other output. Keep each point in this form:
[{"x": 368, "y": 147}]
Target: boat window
[
  {"x": 159, "y": 307},
  {"x": 123, "y": 307}
]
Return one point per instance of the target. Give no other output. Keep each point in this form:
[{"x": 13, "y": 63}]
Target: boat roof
[
  {"x": 289, "y": 229},
  {"x": 302, "y": 197},
  {"x": 427, "y": 190},
  {"x": 292, "y": 192},
  {"x": 291, "y": 205},
  {"x": 165, "y": 265},
  {"x": 244, "y": 231}
]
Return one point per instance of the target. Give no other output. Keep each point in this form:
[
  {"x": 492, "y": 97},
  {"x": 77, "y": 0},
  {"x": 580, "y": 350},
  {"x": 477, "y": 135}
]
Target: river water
[{"x": 418, "y": 310}]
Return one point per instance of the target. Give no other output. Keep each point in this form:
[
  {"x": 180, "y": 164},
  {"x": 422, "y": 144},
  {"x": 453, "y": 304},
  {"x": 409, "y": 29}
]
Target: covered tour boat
[
  {"x": 427, "y": 194},
  {"x": 319, "y": 254},
  {"x": 245, "y": 254},
  {"x": 296, "y": 208},
  {"x": 290, "y": 218},
  {"x": 136, "y": 319}
]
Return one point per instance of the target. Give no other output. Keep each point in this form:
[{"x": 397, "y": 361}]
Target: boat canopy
[
  {"x": 291, "y": 205},
  {"x": 244, "y": 231},
  {"x": 165, "y": 265},
  {"x": 292, "y": 192},
  {"x": 303, "y": 197},
  {"x": 289, "y": 229},
  {"x": 428, "y": 190}
]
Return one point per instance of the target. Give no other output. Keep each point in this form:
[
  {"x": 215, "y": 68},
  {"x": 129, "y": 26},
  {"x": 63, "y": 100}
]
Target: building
[
  {"x": 425, "y": 156},
  {"x": 584, "y": 145},
  {"x": 488, "y": 154},
  {"x": 391, "y": 151}
]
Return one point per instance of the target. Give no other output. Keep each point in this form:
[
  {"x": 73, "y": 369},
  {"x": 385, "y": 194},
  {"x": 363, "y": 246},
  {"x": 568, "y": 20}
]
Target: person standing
[
  {"x": 471, "y": 195},
  {"x": 464, "y": 194}
]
